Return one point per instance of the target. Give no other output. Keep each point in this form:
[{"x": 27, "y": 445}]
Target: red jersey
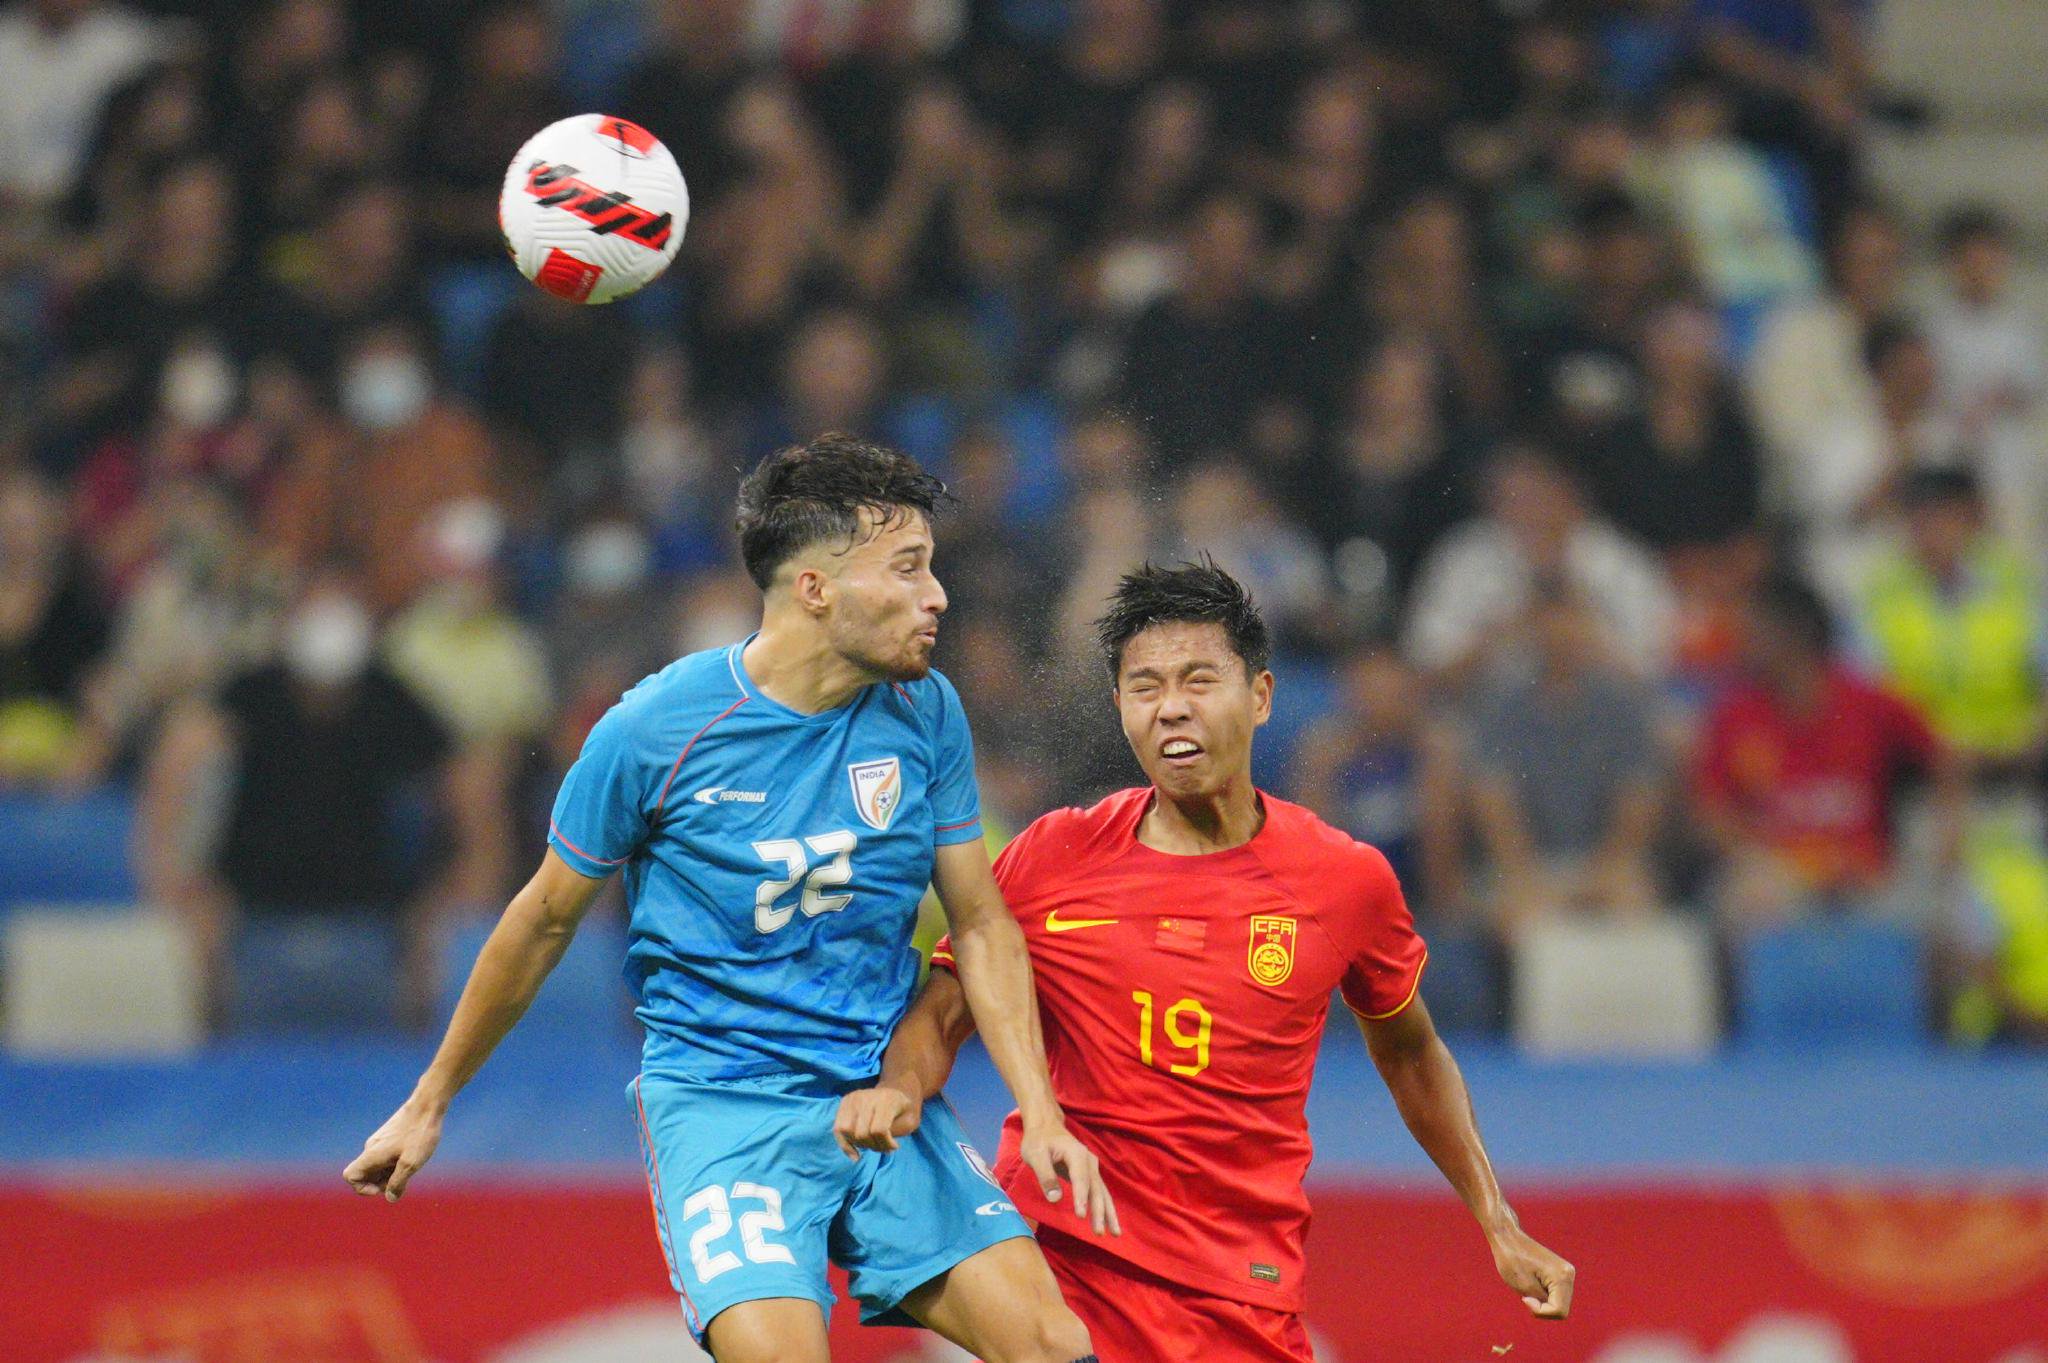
[
  {"x": 1183, "y": 998},
  {"x": 1816, "y": 787}
]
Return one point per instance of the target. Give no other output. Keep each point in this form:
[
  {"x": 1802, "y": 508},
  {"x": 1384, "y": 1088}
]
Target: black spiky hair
[{"x": 1199, "y": 593}]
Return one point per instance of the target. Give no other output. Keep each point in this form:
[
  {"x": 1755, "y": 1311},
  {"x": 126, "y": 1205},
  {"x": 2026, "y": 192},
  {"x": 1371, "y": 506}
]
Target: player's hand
[
  {"x": 1052, "y": 1152},
  {"x": 875, "y": 1119},
  {"x": 395, "y": 1152},
  {"x": 1544, "y": 1279}
]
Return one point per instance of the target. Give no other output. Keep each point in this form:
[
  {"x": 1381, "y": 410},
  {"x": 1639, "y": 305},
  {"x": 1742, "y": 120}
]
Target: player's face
[
  {"x": 1189, "y": 708},
  {"x": 886, "y": 604}
]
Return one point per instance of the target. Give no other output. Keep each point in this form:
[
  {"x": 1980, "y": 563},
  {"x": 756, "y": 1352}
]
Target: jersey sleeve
[
  {"x": 1386, "y": 954},
  {"x": 600, "y": 816},
  {"x": 956, "y": 799},
  {"x": 1011, "y": 874}
]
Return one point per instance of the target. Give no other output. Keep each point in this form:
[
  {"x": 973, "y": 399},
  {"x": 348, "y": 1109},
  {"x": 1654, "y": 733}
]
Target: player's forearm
[
  {"x": 1437, "y": 1109},
  {"x": 995, "y": 977},
  {"x": 526, "y": 944},
  {"x": 928, "y": 1040}
]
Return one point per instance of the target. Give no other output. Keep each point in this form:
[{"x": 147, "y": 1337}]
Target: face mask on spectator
[
  {"x": 327, "y": 642},
  {"x": 383, "y": 392},
  {"x": 607, "y": 559},
  {"x": 198, "y": 387}
]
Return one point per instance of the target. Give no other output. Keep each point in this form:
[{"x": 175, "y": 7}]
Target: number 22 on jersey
[{"x": 794, "y": 858}]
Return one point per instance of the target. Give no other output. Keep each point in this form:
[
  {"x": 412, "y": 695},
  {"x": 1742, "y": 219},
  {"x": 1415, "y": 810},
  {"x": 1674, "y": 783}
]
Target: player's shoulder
[
  {"x": 1304, "y": 841},
  {"x": 688, "y": 692},
  {"x": 1073, "y": 832}
]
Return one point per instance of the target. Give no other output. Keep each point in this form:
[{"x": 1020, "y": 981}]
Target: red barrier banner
[{"x": 528, "y": 1272}]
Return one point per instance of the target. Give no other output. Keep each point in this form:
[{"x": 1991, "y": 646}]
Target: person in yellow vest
[{"x": 1955, "y": 620}]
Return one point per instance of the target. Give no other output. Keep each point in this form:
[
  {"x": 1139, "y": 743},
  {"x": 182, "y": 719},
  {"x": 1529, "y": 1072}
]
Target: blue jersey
[{"x": 773, "y": 861}]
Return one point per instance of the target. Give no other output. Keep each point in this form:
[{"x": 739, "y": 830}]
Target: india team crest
[
  {"x": 1272, "y": 949},
  {"x": 877, "y": 790}
]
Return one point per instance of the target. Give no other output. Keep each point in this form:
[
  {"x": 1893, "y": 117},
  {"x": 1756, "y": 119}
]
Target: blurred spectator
[
  {"x": 176, "y": 281},
  {"x": 1015, "y": 736},
  {"x": 1205, "y": 359},
  {"x": 1808, "y": 371},
  {"x": 52, "y": 629},
  {"x": 1425, "y": 278},
  {"x": 1566, "y": 789},
  {"x": 480, "y": 668},
  {"x": 414, "y": 448},
  {"x": 1799, "y": 768},
  {"x": 1844, "y": 486},
  {"x": 1801, "y": 70},
  {"x": 685, "y": 83},
  {"x": 1220, "y": 510},
  {"x": 1953, "y": 619},
  {"x": 1403, "y": 472},
  {"x": 767, "y": 250},
  {"x": 504, "y": 90},
  {"x": 59, "y": 60},
  {"x": 1991, "y": 354},
  {"x": 571, "y": 415},
  {"x": 282, "y": 796},
  {"x": 1380, "y": 769},
  {"x": 204, "y": 608},
  {"x": 1730, "y": 209},
  {"x": 1479, "y": 582},
  {"x": 355, "y": 270},
  {"x": 834, "y": 378},
  {"x": 1683, "y": 471},
  {"x": 609, "y": 608}
]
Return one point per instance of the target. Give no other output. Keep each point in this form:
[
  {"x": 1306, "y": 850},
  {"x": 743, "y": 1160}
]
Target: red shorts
[{"x": 1138, "y": 1317}]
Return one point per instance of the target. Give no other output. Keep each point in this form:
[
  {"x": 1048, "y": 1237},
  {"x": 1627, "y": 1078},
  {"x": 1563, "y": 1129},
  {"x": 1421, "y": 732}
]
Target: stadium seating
[
  {"x": 99, "y": 984},
  {"x": 1615, "y": 989},
  {"x": 583, "y": 1007},
  {"x": 1834, "y": 981},
  {"x": 315, "y": 974},
  {"x": 55, "y": 850}
]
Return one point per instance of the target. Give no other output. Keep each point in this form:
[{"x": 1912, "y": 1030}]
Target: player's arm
[
  {"x": 995, "y": 976},
  {"x": 1437, "y": 1107},
  {"x": 529, "y": 939}
]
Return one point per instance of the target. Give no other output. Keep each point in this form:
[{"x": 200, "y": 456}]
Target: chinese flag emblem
[{"x": 1272, "y": 949}]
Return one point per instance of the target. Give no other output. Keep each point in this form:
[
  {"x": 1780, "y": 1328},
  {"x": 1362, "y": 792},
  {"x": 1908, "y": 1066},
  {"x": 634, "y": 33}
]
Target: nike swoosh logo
[
  {"x": 993, "y": 1209},
  {"x": 1055, "y": 923}
]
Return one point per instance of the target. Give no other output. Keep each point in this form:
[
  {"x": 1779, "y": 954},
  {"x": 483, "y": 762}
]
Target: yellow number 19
[{"x": 1198, "y": 1041}]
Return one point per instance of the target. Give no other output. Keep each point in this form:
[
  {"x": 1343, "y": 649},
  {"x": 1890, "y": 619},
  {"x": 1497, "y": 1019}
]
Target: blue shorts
[{"x": 752, "y": 1197}]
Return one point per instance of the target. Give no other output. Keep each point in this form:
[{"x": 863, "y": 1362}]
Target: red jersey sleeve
[
  {"x": 1013, "y": 871},
  {"x": 1386, "y": 954}
]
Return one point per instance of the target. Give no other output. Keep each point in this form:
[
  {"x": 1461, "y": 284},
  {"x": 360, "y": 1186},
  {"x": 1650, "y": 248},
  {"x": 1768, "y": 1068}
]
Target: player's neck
[
  {"x": 1230, "y": 818},
  {"x": 799, "y": 668}
]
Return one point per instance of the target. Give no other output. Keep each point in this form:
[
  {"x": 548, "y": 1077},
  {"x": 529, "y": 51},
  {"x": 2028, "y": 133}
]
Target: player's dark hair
[
  {"x": 1188, "y": 593},
  {"x": 806, "y": 493}
]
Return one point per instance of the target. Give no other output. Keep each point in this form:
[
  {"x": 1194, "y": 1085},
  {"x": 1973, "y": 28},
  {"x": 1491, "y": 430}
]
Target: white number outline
[
  {"x": 707, "y": 1264},
  {"x": 754, "y": 1228},
  {"x": 755, "y": 1225},
  {"x": 839, "y": 845}
]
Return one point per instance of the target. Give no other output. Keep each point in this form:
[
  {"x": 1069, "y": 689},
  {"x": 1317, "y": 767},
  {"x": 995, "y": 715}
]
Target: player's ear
[
  {"x": 812, "y": 587},
  {"x": 1262, "y": 697}
]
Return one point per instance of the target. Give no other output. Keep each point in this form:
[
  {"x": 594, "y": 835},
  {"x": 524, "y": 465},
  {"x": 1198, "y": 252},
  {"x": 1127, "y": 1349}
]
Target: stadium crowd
[{"x": 1639, "y": 542}]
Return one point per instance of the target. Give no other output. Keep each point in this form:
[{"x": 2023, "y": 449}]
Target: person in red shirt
[
  {"x": 1798, "y": 769},
  {"x": 1185, "y": 938}
]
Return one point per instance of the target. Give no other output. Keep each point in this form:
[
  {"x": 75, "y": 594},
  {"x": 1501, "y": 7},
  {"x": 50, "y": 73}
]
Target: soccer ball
[{"x": 593, "y": 208}]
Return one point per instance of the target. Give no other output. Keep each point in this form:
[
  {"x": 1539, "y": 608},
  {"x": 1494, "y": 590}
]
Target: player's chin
[{"x": 914, "y": 665}]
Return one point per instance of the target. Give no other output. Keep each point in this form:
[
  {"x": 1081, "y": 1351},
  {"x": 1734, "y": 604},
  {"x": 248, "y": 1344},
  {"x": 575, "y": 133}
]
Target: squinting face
[
  {"x": 885, "y": 602},
  {"x": 1189, "y": 708}
]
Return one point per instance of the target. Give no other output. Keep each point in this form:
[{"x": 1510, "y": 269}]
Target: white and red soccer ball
[{"x": 593, "y": 208}]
